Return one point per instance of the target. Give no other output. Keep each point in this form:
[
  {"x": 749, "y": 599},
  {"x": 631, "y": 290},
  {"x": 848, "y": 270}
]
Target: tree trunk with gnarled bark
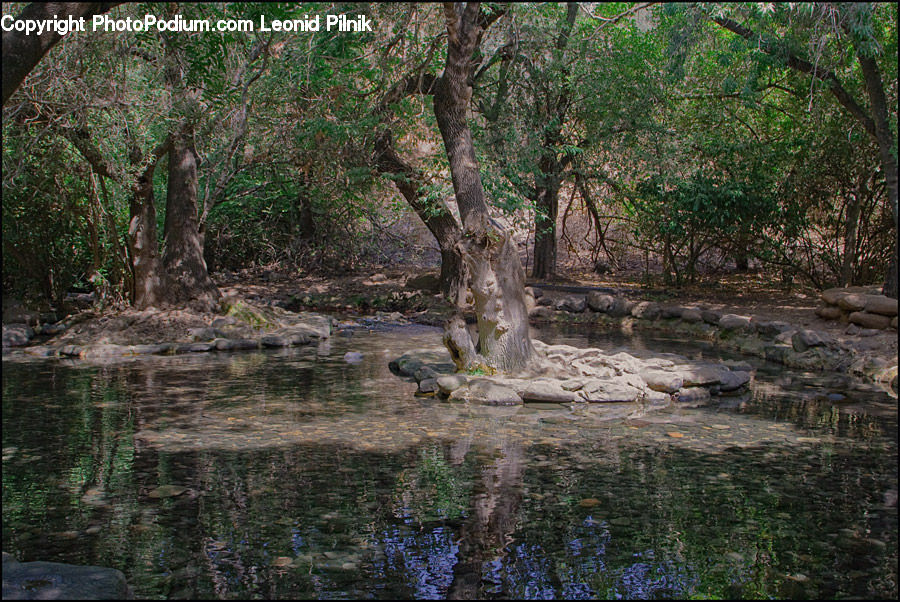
[
  {"x": 21, "y": 52},
  {"x": 547, "y": 203},
  {"x": 495, "y": 275},
  {"x": 189, "y": 281},
  {"x": 143, "y": 243}
]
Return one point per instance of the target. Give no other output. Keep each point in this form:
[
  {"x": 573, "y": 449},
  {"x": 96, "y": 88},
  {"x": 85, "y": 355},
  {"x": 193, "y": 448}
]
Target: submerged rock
[{"x": 57, "y": 581}]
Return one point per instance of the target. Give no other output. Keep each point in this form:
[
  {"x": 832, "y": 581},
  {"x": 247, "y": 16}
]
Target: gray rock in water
[
  {"x": 57, "y": 581},
  {"x": 691, "y": 315},
  {"x": 482, "y": 390},
  {"x": 426, "y": 386},
  {"x": 572, "y": 304},
  {"x": 734, "y": 322},
  {"x": 732, "y": 380},
  {"x": 16, "y": 335},
  {"x": 547, "y": 392},
  {"x": 609, "y": 392},
  {"x": 600, "y": 302},
  {"x": 205, "y": 333},
  {"x": 670, "y": 311},
  {"x": 273, "y": 340},
  {"x": 693, "y": 395},
  {"x": 450, "y": 382},
  {"x": 659, "y": 380},
  {"x": 804, "y": 339},
  {"x": 541, "y": 312},
  {"x": 621, "y": 307},
  {"x": 711, "y": 316},
  {"x": 354, "y": 357},
  {"x": 770, "y": 329},
  {"x": 646, "y": 310},
  {"x": 701, "y": 375}
]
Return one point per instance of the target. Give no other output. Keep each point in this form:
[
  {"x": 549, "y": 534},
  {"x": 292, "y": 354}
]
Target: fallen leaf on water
[{"x": 675, "y": 434}]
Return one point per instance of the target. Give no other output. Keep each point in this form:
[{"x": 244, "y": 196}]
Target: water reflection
[{"x": 296, "y": 474}]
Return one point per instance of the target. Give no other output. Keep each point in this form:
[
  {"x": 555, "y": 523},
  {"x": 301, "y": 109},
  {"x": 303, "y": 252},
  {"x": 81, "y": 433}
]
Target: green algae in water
[{"x": 304, "y": 477}]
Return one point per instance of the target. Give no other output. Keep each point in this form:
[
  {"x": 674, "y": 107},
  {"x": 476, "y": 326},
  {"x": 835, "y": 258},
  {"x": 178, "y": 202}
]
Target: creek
[{"x": 294, "y": 473}]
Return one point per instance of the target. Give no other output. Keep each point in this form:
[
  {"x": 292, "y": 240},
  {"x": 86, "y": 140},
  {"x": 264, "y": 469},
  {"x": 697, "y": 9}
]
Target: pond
[{"x": 296, "y": 474}]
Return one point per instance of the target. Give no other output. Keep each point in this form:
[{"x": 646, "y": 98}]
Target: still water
[{"x": 295, "y": 474}]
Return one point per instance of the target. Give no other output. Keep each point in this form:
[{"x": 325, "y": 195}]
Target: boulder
[
  {"x": 609, "y": 392},
  {"x": 867, "y": 320},
  {"x": 600, "y": 302},
  {"x": 572, "y": 304},
  {"x": 621, "y": 307},
  {"x": 692, "y": 395},
  {"x": 732, "y": 380},
  {"x": 541, "y": 313},
  {"x": 700, "y": 375},
  {"x": 879, "y": 304},
  {"x": 57, "y": 581},
  {"x": 274, "y": 340},
  {"x": 711, "y": 316},
  {"x": 691, "y": 315},
  {"x": 484, "y": 391},
  {"x": 670, "y": 311},
  {"x": 829, "y": 312},
  {"x": 734, "y": 322},
  {"x": 450, "y": 382},
  {"x": 770, "y": 329},
  {"x": 535, "y": 291},
  {"x": 804, "y": 339},
  {"x": 16, "y": 335},
  {"x": 659, "y": 380},
  {"x": 427, "y": 386},
  {"x": 645, "y": 310},
  {"x": 547, "y": 392},
  {"x": 852, "y": 301}
]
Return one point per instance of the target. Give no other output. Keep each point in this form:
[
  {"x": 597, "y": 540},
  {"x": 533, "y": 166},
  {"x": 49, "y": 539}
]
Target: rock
[
  {"x": 670, "y": 311},
  {"x": 732, "y": 380},
  {"x": 57, "y": 581},
  {"x": 51, "y": 329},
  {"x": 70, "y": 350},
  {"x": 548, "y": 392},
  {"x": 40, "y": 351},
  {"x": 600, "y": 302},
  {"x": 274, "y": 340},
  {"x": 646, "y": 310},
  {"x": 879, "y": 304},
  {"x": 609, "y": 391},
  {"x": 545, "y": 301},
  {"x": 710, "y": 316},
  {"x": 165, "y": 491},
  {"x": 424, "y": 372},
  {"x": 734, "y": 322},
  {"x": 692, "y": 395},
  {"x": 314, "y": 325},
  {"x": 700, "y": 375},
  {"x": 194, "y": 347},
  {"x": 894, "y": 322},
  {"x": 104, "y": 351},
  {"x": 804, "y": 339},
  {"x": 535, "y": 291},
  {"x": 852, "y": 301},
  {"x": 769, "y": 329},
  {"x": 691, "y": 315},
  {"x": 206, "y": 333},
  {"x": 620, "y": 308},
  {"x": 427, "y": 386},
  {"x": 354, "y": 357},
  {"x": 16, "y": 335},
  {"x": 541, "y": 313},
  {"x": 430, "y": 282},
  {"x": 450, "y": 382},
  {"x": 829, "y": 312},
  {"x": 659, "y": 380},
  {"x": 482, "y": 390},
  {"x": 867, "y": 320},
  {"x": 572, "y": 304}
]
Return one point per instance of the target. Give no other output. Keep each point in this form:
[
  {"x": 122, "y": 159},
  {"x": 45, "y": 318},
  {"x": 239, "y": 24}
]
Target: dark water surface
[{"x": 294, "y": 474}]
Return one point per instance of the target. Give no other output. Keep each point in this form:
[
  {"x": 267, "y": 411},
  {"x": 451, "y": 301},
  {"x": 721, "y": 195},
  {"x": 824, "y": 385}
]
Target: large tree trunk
[
  {"x": 547, "y": 203},
  {"x": 886, "y": 150},
  {"x": 189, "y": 281},
  {"x": 495, "y": 275},
  {"x": 435, "y": 215},
  {"x": 21, "y": 52},
  {"x": 143, "y": 243}
]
